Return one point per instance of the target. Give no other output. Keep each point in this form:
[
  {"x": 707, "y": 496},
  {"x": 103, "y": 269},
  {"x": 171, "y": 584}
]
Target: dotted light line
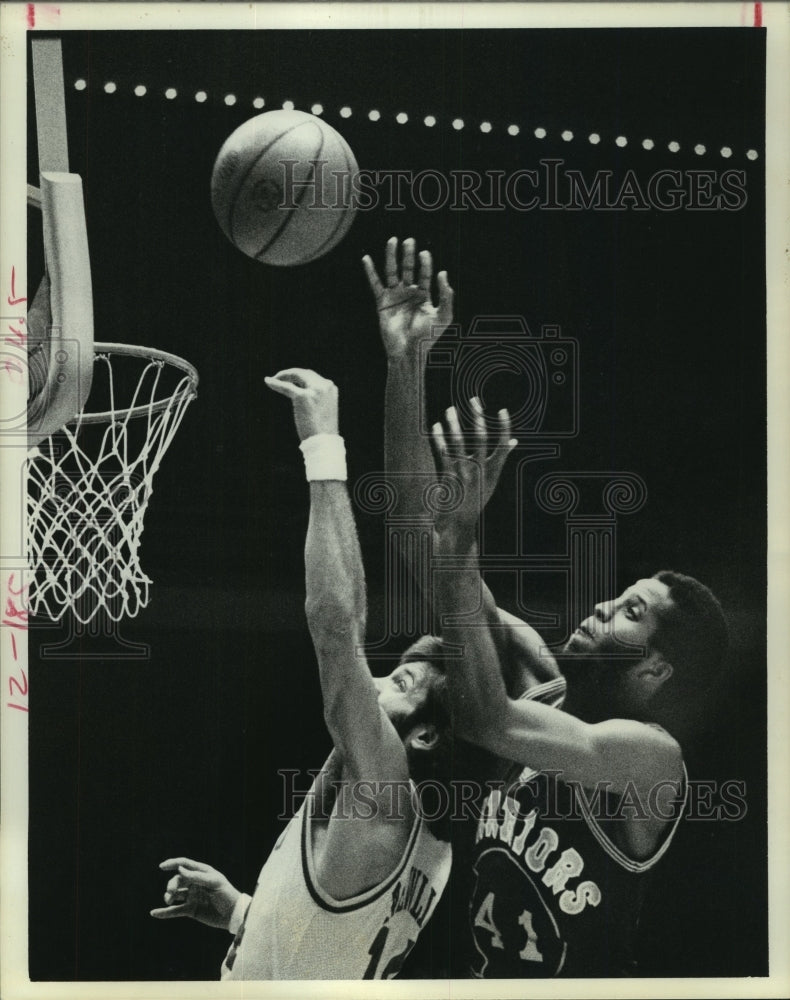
[{"x": 402, "y": 118}]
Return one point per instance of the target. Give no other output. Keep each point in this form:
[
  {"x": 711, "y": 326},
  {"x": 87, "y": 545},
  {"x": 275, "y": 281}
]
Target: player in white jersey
[
  {"x": 295, "y": 928},
  {"x": 357, "y": 872}
]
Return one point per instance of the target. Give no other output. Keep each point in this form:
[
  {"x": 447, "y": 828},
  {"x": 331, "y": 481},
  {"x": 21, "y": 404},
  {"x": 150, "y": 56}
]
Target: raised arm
[
  {"x": 335, "y": 588},
  {"x": 409, "y": 322},
  {"x": 618, "y": 751}
]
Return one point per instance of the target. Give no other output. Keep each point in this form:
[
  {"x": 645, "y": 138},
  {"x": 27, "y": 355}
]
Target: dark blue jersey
[{"x": 550, "y": 892}]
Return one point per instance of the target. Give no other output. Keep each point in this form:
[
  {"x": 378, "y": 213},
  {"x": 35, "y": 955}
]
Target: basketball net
[{"x": 89, "y": 485}]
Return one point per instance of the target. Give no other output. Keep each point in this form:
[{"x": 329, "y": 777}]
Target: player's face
[
  {"x": 624, "y": 625},
  {"x": 403, "y": 691}
]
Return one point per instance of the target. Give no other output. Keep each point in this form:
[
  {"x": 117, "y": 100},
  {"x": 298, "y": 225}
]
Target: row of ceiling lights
[{"x": 110, "y": 87}]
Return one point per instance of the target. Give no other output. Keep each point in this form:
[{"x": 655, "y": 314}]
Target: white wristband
[
  {"x": 324, "y": 457},
  {"x": 239, "y": 912}
]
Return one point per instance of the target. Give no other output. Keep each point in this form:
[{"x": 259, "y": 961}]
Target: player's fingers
[
  {"x": 171, "y": 864},
  {"x": 455, "y": 436},
  {"x": 505, "y": 440},
  {"x": 426, "y": 271},
  {"x": 439, "y": 447},
  {"x": 300, "y": 376},
  {"x": 176, "y": 896},
  {"x": 391, "y": 262},
  {"x": 304, "y": 378},
  {"x": 480, "y": 430},
  {"x": 372, "y": 275},
  {"x": 505, "y": 444},
  {"x": 446, "y": 296},
  {"x": 284, "y": 388},
  {"x": 407, "y": 268},
  {"x": 168, "y": 912},
  {"x": 199, "y": 878}
]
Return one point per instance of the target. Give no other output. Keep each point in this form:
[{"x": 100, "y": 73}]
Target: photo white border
[{"x": 14, "y": 984}]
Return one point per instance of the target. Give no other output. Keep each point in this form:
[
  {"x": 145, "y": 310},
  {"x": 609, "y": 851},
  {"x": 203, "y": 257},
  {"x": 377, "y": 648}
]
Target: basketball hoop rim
[{"x": 143, "y": 409}]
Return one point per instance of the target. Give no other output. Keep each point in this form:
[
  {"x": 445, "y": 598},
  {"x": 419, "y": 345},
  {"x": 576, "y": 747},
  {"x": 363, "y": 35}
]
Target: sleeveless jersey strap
[{"x": 619, "y": 855}]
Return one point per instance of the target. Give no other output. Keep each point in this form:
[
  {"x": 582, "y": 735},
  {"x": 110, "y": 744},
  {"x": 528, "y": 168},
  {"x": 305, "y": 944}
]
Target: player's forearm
[
  {"x": 335, "y": 577},
  {"x": 407, "y": 452},
  {"x": 475, "y": 683},
  {"x": 483, "y": 712},
  {"x": 335, "y": 607}
]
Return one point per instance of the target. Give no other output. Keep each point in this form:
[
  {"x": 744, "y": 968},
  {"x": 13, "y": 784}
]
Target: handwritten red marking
[
  {"x": 31, "y": 15},
  {"x": 15, "y": 372},
  {"x": 14, "y": 683},
  {"x": 13, "y": 300},
  {"x": 16, "y": 617},
  {"x": 19, "y": 338},
  {"x": 14, "y": 612},
  {"x": 758, "y": 15},
  {"x": 16, "y": 593}
]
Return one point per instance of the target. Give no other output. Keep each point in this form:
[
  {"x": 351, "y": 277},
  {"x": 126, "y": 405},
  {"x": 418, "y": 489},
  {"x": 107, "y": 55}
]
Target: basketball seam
[
  {"x": 341, "y": 221},
  {"x": 287, "y": 220},
  {"x": 248, "y": 171}
]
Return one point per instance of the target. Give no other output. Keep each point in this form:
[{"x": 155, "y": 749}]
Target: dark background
[{"x": 137, "y": 755}]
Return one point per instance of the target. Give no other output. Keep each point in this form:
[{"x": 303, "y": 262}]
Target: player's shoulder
[
  {"x": 664, "y": 743},
  {"x": 653, "y": 751},
  {"x": 658, "y": 736}
]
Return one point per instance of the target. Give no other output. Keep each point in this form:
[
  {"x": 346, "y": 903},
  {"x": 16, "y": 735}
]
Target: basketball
[{"x": 281, "y": 187}]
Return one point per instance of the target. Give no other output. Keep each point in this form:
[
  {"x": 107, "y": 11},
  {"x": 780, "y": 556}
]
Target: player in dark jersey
[
  {"x": 670, "y": 619},
  {"x": 563, "y": 844}
]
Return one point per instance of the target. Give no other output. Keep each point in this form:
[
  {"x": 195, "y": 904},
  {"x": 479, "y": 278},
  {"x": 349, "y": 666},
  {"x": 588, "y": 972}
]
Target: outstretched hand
[
  {"x": 314, "y": 400},
  {"x": 197, "y": 891},
  {"x": 476, "y": 472},
  {"x": 407, "y": 314}
]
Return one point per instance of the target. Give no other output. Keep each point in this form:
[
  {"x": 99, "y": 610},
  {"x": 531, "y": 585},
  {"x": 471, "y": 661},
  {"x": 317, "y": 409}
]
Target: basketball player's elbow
[{"x": 333, "y": 615}]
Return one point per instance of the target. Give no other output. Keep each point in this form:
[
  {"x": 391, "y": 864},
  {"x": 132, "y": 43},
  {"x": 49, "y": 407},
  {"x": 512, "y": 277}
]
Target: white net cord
[{"x": 85, "y": 511}]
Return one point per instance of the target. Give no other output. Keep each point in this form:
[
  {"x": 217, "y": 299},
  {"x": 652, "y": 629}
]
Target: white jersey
[{"x": 294, "y": 929}]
